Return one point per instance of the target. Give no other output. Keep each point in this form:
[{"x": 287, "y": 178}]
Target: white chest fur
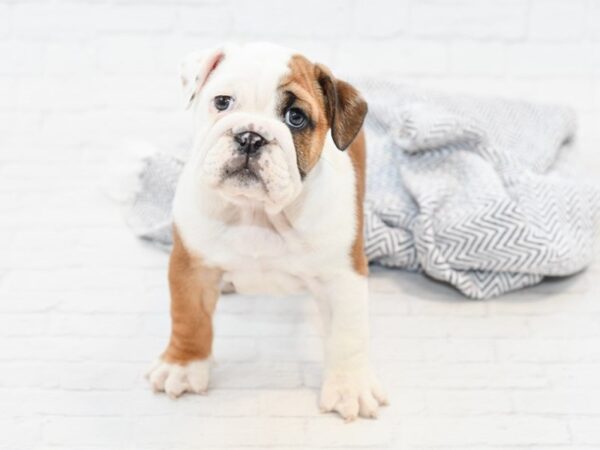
[{"x": 284, "y": 253}]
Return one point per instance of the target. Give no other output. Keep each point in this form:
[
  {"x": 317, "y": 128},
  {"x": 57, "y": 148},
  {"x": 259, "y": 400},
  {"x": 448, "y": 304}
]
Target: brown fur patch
[
  {"x": 301, "y": 89},
  {"x": 335, "y": 104},
  {"x": 194, "y": 294},
  {"x": 357, "y": 153}
]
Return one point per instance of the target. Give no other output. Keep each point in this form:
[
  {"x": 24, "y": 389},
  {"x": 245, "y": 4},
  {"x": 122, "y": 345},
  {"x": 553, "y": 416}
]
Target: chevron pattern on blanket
[{"x": 470, "y": 191}]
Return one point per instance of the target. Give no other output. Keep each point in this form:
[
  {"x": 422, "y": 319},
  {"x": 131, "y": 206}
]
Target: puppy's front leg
[
  {"x": 349, "y": 386},
  {"x": 185, "y": 364}
]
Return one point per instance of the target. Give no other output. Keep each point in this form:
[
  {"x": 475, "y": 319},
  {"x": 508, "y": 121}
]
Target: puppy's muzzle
[{"x": 249, "y": 142}]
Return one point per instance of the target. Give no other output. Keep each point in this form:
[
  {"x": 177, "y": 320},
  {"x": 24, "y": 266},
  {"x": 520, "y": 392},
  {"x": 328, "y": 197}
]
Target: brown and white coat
[{"x": 285, "y": 219}]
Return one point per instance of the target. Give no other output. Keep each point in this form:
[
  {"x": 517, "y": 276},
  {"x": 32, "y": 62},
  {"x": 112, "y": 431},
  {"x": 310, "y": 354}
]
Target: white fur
[
  {"x": 284, "y": 237},
  {"x": 350, "y": 386},
  {"x": 175, "y": 379},
  {"x": 352, "y": 392},
  {"x": 256, "y": 256},
  {"x": 277, "y": 164}
]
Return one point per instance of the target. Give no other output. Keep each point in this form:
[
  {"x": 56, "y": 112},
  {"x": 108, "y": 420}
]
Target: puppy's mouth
[{"x": 242, "y": 168}]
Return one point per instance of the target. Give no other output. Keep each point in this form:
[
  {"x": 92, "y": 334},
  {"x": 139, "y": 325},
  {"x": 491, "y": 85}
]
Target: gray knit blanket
[{"x": 472, "y": 192}]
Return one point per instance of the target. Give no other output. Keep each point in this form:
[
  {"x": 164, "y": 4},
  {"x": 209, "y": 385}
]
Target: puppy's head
[{"x": 262, "y": 115}]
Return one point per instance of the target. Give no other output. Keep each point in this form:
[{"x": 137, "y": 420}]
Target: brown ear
[{"x": 345, "y": 107}]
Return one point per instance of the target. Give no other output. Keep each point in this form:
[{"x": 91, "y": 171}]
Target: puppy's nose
[{"x": 249, "y": 142}]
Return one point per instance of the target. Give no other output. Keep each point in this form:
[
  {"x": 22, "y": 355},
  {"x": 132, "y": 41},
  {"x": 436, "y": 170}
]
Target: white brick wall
[
  {"x": 83, "y": 304},
  {"x": 87, "y": 73}
]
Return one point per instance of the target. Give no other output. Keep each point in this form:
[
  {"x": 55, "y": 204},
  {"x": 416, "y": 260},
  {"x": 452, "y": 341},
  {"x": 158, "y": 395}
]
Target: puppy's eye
[
  {"x": 222, "y": 102},
  {"x": 295, "y": 118}
]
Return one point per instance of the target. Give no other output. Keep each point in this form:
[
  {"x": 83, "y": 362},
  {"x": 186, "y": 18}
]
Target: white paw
[
  {"x": 352, "y": 393},
  {"x": 175, "y": 379}
]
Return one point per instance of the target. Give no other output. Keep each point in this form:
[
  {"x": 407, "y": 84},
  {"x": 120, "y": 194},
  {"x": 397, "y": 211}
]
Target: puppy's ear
[
  {"x": 195, "y": 70},
  {"x": 345, "y": 107}
]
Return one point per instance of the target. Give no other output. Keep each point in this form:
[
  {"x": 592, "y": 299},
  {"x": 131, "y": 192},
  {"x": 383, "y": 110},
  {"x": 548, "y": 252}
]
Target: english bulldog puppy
[{"x": 271, "y": 201}]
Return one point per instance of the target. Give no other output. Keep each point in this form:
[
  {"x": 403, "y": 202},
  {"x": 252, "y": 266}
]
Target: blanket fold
[{"x": 467, "y": 190}]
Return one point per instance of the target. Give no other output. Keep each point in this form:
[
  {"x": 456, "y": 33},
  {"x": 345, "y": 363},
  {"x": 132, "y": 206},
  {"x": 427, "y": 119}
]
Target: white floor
[{"x": 84, "y": 311}]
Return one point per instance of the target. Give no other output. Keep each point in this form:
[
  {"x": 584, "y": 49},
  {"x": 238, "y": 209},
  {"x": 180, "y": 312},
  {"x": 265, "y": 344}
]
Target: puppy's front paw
[
  {"x": 352, "y": 393},
  {"x": 175, "y": 379}
]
